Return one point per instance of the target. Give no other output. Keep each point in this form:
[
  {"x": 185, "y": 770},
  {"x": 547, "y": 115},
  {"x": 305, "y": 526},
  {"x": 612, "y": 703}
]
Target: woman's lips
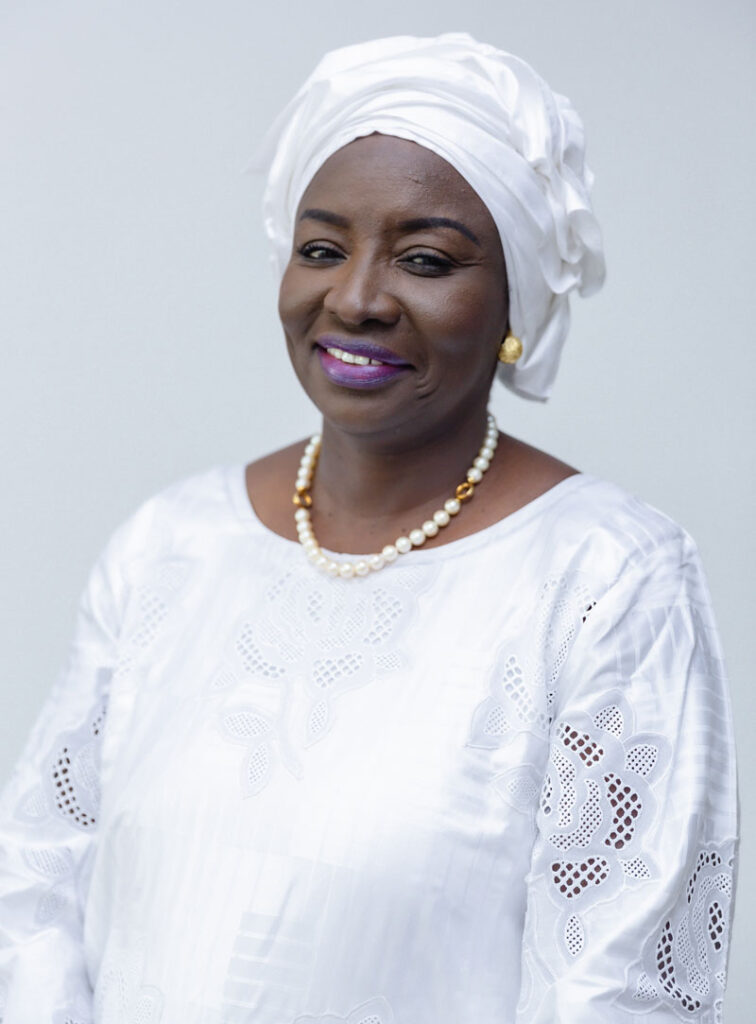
[
  {"x": 354, "y": 375},
  {"x": 358, "y": 364}
]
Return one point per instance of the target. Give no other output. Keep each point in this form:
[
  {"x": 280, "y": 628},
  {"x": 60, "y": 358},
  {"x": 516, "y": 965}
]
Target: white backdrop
[{"x": 137, "y": 309}]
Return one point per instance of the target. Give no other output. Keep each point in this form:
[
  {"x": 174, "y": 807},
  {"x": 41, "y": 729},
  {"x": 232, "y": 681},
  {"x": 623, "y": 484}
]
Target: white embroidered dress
[{"x": 492, "y": 783}]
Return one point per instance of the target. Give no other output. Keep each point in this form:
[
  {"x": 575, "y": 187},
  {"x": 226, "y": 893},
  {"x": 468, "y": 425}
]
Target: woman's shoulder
[
  {"x": 607, "y": 526},
  {"x": 212, "y": 500},
  {"x": 185, "y": 508}
]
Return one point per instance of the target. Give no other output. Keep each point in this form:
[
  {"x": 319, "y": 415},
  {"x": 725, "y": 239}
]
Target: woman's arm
[
  {"x": 48, "y": 827},
  {"x": 630, "y": 890}
]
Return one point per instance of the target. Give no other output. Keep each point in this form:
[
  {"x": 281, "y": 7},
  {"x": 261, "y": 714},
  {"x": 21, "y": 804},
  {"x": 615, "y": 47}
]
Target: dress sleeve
[
  {"x": 48, "y": 827},
  {"x": 631, "y": 883}
]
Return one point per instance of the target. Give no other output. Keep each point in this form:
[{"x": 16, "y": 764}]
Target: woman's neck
[{"x": 361, "y": 477}]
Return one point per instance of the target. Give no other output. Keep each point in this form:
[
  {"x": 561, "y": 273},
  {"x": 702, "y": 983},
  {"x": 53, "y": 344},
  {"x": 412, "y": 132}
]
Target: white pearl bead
[{"x": 402, "y": 545}]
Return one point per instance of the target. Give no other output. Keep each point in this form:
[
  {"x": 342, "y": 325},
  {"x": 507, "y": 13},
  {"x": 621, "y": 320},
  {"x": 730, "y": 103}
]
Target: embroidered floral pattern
[
  {"x": 153, "y": 594},
  {"x": 310, "y": 640},
  {"x": 684, "y": 964},
  {"x": 377, "y": 1011},
  {"x": 69, "y": 788},
  {"x": 68, "y": 793},
  {"x": 596, "y": 807},
  {"x": 522, "y": 689},
  {"x": 121, "y": 996}
]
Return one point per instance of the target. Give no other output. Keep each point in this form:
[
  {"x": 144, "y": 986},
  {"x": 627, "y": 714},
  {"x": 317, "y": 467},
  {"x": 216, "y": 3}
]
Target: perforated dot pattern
[
  {"x": 644, "y": 990},
  {"x": 568, "y": 798},
  {"x": 252, "y": 658},
  {"x": 572, "y": 878},
  {"x": 580, "y": 743},
  {"x": 318, "y": 717},
  {"x": 244, "y": 725},
  {"x": 66, "y": 798},
  {"x": 627, "y": 806},
  {"x": 327, "y": 671},
  {"x": 496, "y": 722},
  {"x": 665, "y": 966},
  {"x": 642, "y": 758},
  {"x": 52, "y": 863},
  {"x": 153, "y": 610},
  {"x": 258, "y": 764},
  {"x": 611, "y": 720},
  {"x": 590, "y": 820},
  {"x": 386, "y": 610},
  {"x": 636, "y": 868},
  {"x": 516, "y": 689},
  {"x": 574, "y": 937}
]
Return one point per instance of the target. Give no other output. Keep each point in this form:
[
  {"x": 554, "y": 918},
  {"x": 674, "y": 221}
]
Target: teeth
[{"x": 347, "y": 357}]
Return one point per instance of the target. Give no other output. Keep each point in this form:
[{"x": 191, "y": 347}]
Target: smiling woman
[{"x": 493, "y": 782}]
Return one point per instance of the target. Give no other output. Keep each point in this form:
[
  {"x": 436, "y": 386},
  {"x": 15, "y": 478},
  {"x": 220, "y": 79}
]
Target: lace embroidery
[
  {"x": 522, "y": 694},
  {"x": 148, "y": 609},
  {"x": 376, "y": 1011},
  {"x": 121, "y": 996},
  {"x": 68, "y": 792},
  {"x": 69, "y": 787},
  {"x": 564, "y": 605},
  {"x": 309, "y": 645},
  {"x": 596, "y": 807},
  {"x": 683, "y": 965},
  {"x": 514, "y": 704}
]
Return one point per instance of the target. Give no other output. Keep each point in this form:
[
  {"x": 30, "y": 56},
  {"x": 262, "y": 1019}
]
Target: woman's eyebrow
[
  {"x": 326, "y": 216},
  {"x": 418, "y": 223}
]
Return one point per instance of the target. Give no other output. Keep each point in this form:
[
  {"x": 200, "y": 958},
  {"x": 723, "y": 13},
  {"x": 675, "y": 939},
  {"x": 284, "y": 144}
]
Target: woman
[{"x": 445, "y": 739}]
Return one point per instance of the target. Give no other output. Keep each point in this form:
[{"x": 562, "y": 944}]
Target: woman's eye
[
  {"x": 427, "y": 263},
  {"x": 318, "y": 251}
]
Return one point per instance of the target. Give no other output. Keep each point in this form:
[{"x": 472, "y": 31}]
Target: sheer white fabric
[{"x": 493, "y": 782}]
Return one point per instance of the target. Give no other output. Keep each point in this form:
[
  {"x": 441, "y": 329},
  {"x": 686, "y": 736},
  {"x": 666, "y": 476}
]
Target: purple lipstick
[{"x": 358, "y": 364}]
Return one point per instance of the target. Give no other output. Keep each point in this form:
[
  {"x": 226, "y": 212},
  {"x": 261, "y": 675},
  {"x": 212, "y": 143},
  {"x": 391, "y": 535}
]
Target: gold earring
[{"x": 510, "y": 349}]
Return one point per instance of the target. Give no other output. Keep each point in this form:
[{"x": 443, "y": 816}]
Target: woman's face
[{"x": 397, "y": 264}]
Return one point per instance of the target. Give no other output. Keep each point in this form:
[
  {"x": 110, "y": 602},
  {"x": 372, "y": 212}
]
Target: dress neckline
[{"x": 245, "y": 510}]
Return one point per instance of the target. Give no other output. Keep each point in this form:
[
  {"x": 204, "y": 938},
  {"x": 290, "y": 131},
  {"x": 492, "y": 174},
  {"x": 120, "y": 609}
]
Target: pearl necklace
[{"x": 442, "y": 517}]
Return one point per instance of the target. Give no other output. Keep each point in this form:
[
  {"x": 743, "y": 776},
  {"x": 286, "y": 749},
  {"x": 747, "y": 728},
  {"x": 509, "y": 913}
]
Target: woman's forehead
[{"x": 398, "y": 174}]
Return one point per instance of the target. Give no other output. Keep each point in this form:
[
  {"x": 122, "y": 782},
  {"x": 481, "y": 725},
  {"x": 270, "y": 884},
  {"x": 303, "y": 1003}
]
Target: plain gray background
[{"x": 137, "y": 308}]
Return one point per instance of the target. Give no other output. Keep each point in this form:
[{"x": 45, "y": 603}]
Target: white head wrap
[{"x": 489, "y": 115}]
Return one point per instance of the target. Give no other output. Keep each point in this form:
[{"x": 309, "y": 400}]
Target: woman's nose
[{"x": 360, "y": 292}]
